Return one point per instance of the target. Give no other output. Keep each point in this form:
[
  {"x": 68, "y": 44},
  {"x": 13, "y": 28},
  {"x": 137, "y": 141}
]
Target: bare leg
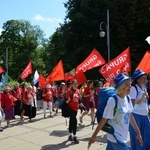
[
  {"x": 81, "y": 117},
  {"x": 92, "y": 114}
]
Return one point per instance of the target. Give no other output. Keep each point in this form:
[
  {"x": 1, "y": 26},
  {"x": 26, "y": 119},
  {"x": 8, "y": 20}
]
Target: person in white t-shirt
[
  {"x": 139, "y": 97},
  {"x": 120, "y": 120}
]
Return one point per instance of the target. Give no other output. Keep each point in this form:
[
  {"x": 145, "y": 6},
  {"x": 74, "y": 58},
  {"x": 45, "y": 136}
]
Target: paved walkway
[{"x": 47, "y": 134}]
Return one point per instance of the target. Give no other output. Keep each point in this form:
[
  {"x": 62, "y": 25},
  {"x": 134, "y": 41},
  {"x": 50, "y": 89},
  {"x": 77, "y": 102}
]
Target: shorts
[{"x": 89, "y": 104}]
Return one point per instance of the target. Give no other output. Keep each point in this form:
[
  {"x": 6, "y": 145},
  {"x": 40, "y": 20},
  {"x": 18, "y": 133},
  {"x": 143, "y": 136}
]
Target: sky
[{"x": 48, "y": 14}]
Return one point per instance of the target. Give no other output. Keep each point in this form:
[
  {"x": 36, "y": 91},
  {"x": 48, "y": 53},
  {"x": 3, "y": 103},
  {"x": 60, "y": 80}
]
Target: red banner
[
  {"x": 27, "y": 71},
  {"x": 69, "y": 75},
  {"x": 80, "y": 77},
  {"x": 118, "y": 65},
  {"x": 42, "y": 80},
  {"x": 57, "y": 74},
  {"x": 145, "y": 63},
  {"x": 92, "y": 61}
]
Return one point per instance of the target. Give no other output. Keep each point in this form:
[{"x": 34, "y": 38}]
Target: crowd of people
[{"x": 26, "y": 99}]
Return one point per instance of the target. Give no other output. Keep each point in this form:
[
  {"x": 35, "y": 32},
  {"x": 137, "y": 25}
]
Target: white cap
[{"x": 62, "y": 83}]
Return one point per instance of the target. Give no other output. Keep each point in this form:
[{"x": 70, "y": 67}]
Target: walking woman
[
  {"x": 17, "y": 93},
  {"x": 73, "y": 100},
  {"x": 139, "y": 97},
  {"x": 28, "y": 102},
  {"x": 47, "y": 100},
  {"x": 7, "y": 102},
  {"x": 120, "y": 120},
  {"x": 1, "y": 129},
  {"x": 89, "y": 102}
]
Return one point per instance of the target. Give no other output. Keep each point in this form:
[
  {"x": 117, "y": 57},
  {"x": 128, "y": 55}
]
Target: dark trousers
[{"x": 73, "y": 122}]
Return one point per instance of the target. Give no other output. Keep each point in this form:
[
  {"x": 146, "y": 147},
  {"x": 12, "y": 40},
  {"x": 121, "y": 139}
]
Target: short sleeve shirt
[
  {"x": 142, "y": 108},
  {"x": 120, "y": 120}
]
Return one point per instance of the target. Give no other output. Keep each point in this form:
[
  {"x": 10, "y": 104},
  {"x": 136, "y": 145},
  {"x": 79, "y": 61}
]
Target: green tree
[
  {"x": 129, "y": 26},
  {"x": 21, "y": 39}
]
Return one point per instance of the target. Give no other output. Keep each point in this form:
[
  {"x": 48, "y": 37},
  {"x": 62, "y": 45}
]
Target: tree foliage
[
  {"x": 21, "y": 39},
  {"x": 129, "y": 26}
]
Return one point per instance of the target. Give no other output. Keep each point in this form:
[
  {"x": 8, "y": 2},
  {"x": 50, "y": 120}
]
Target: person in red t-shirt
[
  {"x": 61, "y": 96},
  {"x": 28, "y": 102},
  {"x": 89, "y": 101},
  {"x": 73, "y": 101},
  {"x": 1, "y": 129},
  {"x": 17, "y": 93},
  {"x": 47, "y": 100},
  {"x": 54, "y": 93},
  {"x": 8, "y": 105}
]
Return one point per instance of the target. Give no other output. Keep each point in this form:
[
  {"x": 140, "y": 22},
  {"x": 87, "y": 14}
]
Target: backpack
[
  {"x": 65, "y": 107},
  {"x": 103, "y": 96}
]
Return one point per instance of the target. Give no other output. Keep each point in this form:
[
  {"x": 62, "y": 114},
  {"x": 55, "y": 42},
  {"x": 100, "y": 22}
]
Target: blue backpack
[{"x": 103, "y": 96}]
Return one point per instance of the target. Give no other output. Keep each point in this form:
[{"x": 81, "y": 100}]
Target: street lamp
[
  {"x": 7, "y": 60},
  {"x": 102, "y": 33},
  {"x": 1, "y": 61}
]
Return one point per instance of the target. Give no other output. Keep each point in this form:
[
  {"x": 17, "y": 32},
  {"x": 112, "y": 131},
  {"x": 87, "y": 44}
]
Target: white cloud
[{"x": 51, "y": 20}]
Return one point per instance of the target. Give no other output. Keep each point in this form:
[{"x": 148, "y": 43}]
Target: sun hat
[
  {"x": 120, "y": 79},
  {"x": 138, "y": 73}
]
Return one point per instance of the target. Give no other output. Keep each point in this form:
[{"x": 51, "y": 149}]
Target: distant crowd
[{"x": 25, "y": 99}]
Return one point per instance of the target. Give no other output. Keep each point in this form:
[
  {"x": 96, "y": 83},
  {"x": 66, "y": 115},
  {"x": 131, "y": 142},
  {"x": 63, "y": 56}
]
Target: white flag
[
  {"x": 36, "y": 77},
  {"x": 148, "y": 39}
]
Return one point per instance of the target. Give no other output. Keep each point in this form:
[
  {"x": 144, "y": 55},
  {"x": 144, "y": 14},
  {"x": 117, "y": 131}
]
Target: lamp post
[
  {"x": 102, "y": 33},
  {"x": 7, "y": 60}
]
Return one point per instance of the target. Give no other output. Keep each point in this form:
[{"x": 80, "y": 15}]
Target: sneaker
[
  {"x": 21, "y": 120},
  {"x": 70, "y": 138},
  {"x": 9, "y": 125},
  {"x": 56, "y": 111},
  {"x": 44, "y": 115},
  {"x": 1, "y": 129},
  {"x": 76, "y": 141},
  {"x": 81, "y": 121}
]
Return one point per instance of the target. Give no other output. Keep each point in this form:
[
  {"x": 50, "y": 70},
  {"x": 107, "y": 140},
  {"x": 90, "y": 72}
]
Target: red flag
[
  {"x": 92, "y": 61},
  {"x": 41, "y": 80},
  {"x": 118, "y": 65},
  {"x": 1, "y": 70},
  {"x": 27, "y": 71},
  {"x": 80, "y": 77},
  {"x": 145, "y": 63},
  {"x": 57, "y": 73},
  {"x": 70, "y": 75}
]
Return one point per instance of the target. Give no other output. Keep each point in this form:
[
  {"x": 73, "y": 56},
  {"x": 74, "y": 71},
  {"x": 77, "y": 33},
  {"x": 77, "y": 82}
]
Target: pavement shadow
[
  {"x": 101, "y": 138},
  {"x": 58, "y": 146},
  {"x": 59, "y": 133},
  {"x": 81, "y": 126}
]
